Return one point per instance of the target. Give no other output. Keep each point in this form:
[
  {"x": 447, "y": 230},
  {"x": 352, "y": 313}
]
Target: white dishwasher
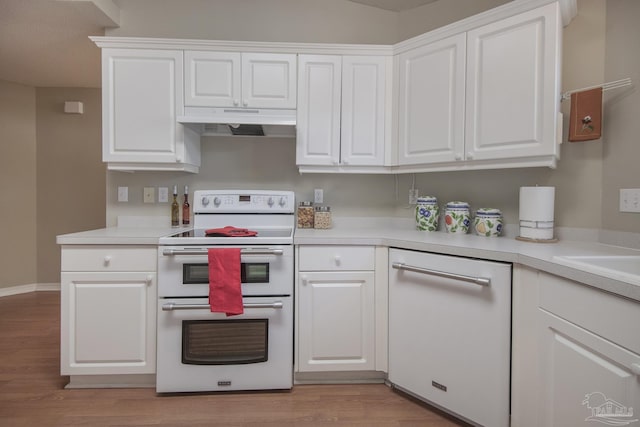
[{"x": 450, "y": 333}]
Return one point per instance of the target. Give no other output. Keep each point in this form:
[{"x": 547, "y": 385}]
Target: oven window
[
  {"x": 225, "y": 342},
  {"x": 249, "y": 273}
]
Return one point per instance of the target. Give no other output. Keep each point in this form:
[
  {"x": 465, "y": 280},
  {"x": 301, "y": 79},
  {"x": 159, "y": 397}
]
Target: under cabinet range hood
[{"x": 240, "y": 121}]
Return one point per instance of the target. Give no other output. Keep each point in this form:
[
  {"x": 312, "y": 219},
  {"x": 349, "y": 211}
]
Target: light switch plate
[
  {"x": 123, "y": 194},
  {"x": 318, "y": 195},
  {"x": 630, "y": 200},
  {"x": 149, "y": 195},
  {"x": 163, "y": 194}
]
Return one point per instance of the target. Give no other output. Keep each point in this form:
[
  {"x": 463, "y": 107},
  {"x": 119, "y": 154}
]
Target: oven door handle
[
  {"x": 172, "y": 306},
  {"x": 246, "y": 251}
]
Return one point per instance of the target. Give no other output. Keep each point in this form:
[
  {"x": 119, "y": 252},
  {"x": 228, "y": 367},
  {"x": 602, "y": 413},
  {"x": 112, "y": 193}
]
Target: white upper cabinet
[
  {"x": 318, "y": 114},
  {"x": 232, "y": 79},
  {"x": 141, "y": 98},
  {"x": 362, "y": 136},
  {"x": 431, "y": 102},
  {"x": 513, "y": 86},
  {"x": 341, "y": 110},
  {"x": 487, "y": 98}
]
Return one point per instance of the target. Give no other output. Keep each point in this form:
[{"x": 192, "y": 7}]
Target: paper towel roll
[
  {"x": 536, "y": 212},
  {"x": 537, "y": 203}
]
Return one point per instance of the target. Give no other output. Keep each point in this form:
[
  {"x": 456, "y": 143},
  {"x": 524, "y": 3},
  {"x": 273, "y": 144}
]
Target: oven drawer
[
  {"x": 336, "y": 258},
  {"x": 108, "y": 258}
]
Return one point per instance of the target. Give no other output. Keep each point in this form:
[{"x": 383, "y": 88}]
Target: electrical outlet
[
  {"x": 413, "y": 196},
  {"x": 630, "y": 200},
  {"x": 149, "y": 195},
  {"x": 318, "y": 196},
  {"x": 163, "y": 194},
  {"x": 123, "y": 194}
]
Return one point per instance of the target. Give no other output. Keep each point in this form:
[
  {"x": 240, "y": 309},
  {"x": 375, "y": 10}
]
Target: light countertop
[{"x": 401, "y": 233}]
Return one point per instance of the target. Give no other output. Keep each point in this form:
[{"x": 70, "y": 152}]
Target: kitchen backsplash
[{"x": 269, "y": 163}]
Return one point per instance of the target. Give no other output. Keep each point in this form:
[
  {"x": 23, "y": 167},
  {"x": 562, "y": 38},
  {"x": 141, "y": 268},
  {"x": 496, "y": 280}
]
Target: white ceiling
[{"x": 44, "y": 43}]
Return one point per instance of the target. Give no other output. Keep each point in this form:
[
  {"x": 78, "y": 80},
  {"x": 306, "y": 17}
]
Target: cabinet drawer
[
  {"x": 109, "y": 258},
  {"x": 336, "y": 258},
  {"x": 604, "y": 314}
]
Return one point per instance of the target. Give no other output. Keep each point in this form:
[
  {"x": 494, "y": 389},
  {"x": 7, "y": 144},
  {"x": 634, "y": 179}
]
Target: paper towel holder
[{"x": 536, "y": 214}]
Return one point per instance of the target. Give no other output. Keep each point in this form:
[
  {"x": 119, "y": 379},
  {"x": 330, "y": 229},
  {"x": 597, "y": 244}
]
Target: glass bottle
[
  {"x": 175, "y": 208},
  {"x": 186, "y": 213}
]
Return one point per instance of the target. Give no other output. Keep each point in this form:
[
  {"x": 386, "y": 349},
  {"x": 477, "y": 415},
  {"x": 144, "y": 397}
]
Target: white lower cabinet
[
  {"x": 336, "y": 309},
  {"x": 581, "y": 358},
  {"x": 108, "y": 316}
]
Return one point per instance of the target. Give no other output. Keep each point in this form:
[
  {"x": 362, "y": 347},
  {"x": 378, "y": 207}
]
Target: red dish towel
[{"x": 225, "y": 290}]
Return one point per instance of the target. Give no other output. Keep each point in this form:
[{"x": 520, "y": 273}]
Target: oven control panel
[{"x": 240, "y": 201}]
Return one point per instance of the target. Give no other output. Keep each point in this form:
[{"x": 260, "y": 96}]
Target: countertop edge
[{"x": 501, "y": 249}]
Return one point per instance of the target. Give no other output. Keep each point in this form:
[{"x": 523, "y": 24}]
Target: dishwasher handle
[{"x": 482, "y": 281}]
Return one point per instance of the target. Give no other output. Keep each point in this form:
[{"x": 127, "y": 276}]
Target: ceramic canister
[
  {"x": 427, "y": 213},
  {"x": 457, "y": 217},
  {"x": 488, "y": 222}
]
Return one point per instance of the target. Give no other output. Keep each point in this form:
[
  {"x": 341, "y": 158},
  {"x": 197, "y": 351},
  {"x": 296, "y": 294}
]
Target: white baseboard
[{"x": 31, "y": 287}]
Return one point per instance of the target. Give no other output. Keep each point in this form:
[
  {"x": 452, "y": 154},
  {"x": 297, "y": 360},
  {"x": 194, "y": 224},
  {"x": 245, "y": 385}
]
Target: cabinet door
[
  {"x": 142, "y": 96},
  {"x": 212, "y": 79},
  {"x": 431, "y": 102},
  {"x": 268, "y": 80},
  {"x": 108, "y": 323},
  {"x": 363, "y": 107},
  {"x": 584, "y": 377},
  {"x": 513, "y": 86},
  {"x": 336, "y": 321},
  {"x": 318, "y": 112}
]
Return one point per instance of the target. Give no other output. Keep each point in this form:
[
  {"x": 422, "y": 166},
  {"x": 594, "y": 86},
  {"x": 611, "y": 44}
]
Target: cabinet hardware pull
[
  {"x": 248, "y": 251},
  {"x": 149, "y": 279},
  {"x": 172, "y": 306},
  {"x": 635, "y": 368},
  {"x": 482, "y": 281}
]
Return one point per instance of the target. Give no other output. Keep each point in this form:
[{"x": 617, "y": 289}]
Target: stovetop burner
[{"x": 261, "y": 232}]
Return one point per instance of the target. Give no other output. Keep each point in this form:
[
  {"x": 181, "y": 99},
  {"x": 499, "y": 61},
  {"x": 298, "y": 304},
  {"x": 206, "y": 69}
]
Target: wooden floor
[{"x": 32, "y": 393}]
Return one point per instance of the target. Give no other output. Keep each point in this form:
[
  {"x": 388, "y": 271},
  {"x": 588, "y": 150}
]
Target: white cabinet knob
[
  {"x": 149, "y": 279},
  {"x": 469, "y": 155},
  {"x": 107, "y": 260},
  {"x": 338, "y": 260},
  {"x": 304, "y": 280},
  {"x": 245, "y": 103},
  {"x": 236, "y": 102},
  {"x": 458, "y": 156}
]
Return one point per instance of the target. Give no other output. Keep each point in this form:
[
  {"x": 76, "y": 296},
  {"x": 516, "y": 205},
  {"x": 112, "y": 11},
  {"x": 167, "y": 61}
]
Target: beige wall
[
  {"x": 18, "y": 264},
  {"x": 621, "y": 143},
  {"x": 326, "y": 21},
  {"x": 434, "y": 15},
  {"x": 71, "y": 176}
]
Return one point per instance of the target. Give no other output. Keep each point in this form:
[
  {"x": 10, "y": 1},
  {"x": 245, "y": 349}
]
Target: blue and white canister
[
  {"x": 427, "y": 213},
  {"x": 457, "y": 217},
  {"x": 488, "y": 222}
]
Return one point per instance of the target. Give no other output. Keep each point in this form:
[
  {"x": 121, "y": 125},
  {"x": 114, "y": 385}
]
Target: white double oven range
[{"x": 200, "y": 350}]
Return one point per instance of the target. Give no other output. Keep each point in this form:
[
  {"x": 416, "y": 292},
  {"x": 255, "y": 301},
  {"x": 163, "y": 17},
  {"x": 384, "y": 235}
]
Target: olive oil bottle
[{"x": 175, "y": 208}]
